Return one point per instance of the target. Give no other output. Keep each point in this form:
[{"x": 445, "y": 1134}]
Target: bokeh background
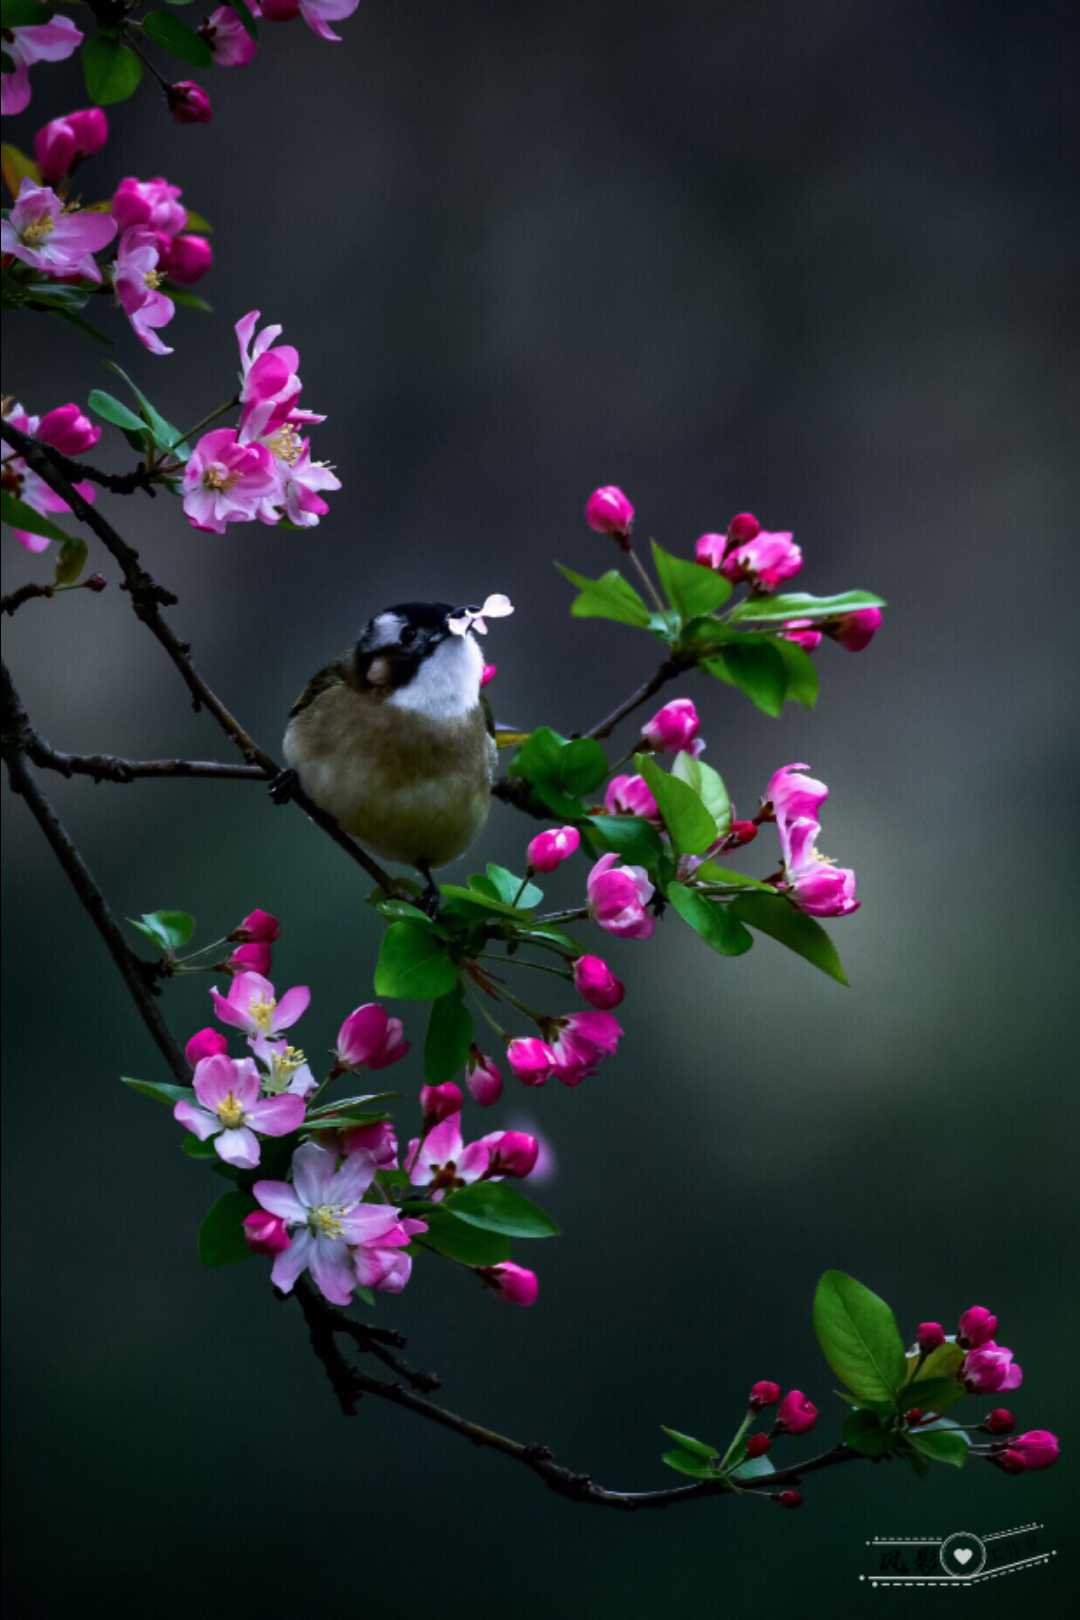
[{"x": 814, "y": 261}]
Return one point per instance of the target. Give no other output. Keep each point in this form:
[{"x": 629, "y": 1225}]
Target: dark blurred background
[{"x": 813, "y": 261}]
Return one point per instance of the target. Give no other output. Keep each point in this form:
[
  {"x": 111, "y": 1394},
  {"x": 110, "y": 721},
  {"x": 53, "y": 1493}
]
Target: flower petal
[{"x": 239, "y": 1147}]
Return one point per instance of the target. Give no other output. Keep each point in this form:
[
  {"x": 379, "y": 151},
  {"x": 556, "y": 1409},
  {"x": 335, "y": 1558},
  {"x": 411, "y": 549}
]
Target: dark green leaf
[
  {"x": 859, "y": 1338},
  {"x": 341, "y": 1122},
  {"x": 944, "y": 1362},
  {"x": 497, "y": 1207},
  {"x": 175, "y": 36},
  {"x": 862, "y": 1431},
  {"x": 169, "y": 929},
  {"x": 939, "y": 1445},
  {"x": 634, "y": 839},
  {"x": 697, "y": 1448},
  {"x": 507, "y": 887},
  {"x": 609, "y": 597},
  {"x": 757, "y": 669},
  {"x": 21, "y": 516},
  {"x": 931, "y": 1394},
  {"x": 221, "y": 1235},
  {"x": 165, "y": 436},
  {"x": 23, "y": 14},
  {"x": 802, "y": 675},
  {"x": 353, "y": 1108},
  {"x": 112, "y": 71},
  {"x": 713, "y": 872},
  {"x": 690, "y": 588},
  {"x": 709, "y": 787},
  {"x": 560, "y": 770},
  {"x": 398, "y": 909},
  {"x": 115, "y": 411},
  {"x": 684, "y": 1462},
  {"x": 160, "y": 1090},
  {"x": 799, "y": 605},
  {"x": 188, "y": 300},
  {"x": 449, "y": 1037},
  {"x": 71, "y": 562},
  {"x": 690, "y": 825},
  {"x": 775, "y": 915},
  {"x": 470, "y": 1244},
  {"x": 711, "y": 919},
  {"x": 413, "y": 964}
]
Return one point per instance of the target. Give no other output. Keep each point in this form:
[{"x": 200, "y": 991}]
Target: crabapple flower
[
  {"x": 22, "y": 482},
  {"x": 763, "y": 1393},
  {"x": 230, "y": 43},
  {"x": 709, "y": 550},
  {"x": 1038, "y": 1448},
  {"x": 617, "y": 897},
  {"x": 764, "y": 561},
  {"x": 324, "y": 1214},
  {"x": 154, "y": 203},
  {"x": 380, "y": 1140},
  {"x": 287, "y": 1068},
  {"x": 59, "y": 144},
  {"x": 581, "y": 1041},
  {"x": 789, "y": 793},
  {"x": 609, "y": 511},
  {"x": 319, "y": 14},
  {"x": 137, "y": 280},
  {"x": 990, "y": 1368},
  {"x": 976, "y": 1326},
  {"x": 254, "y": 958},
  {"x": 43, "y": 235},
  {"x": 184, "y": 259},
  {"x": 299, "y": 480},
  {"x": 512, "y": 1153},
  {"x": 439, "y": 1102},
  {"x": 369, "y": 1039},
  {"x": 383, "y": 1263},
  {"x": 596, "y": 984},
  {"x": 516, "y": 1284},
  {"x": 441, "y": 1162},
  {"x": 631, "y": 796},
  {"x": 269, "y": 384},
  {"x": 796, "y": 1413},
  {"x": 68, "y": 429},
  {"x": 203, "y": 1044},
  {"x": 999, "y": 1421},
  {"x": 672, "y": 728},
  {"x": 550, "y": 848},
  {"x": 226, "y": 481},
  {"x": 266, "y": 1234},
  {"x": 801, "y": 633},
  {"x": 188, "y": 102},
  {"x": 855, "y": 630},
  {"x": 252, "y": 1006},
  {"x": 531, "y": 1059},
  {"x": 483, "y": 1078},
  {"x": 258, "y": 925},
  {"x": 51, "y": 41},
  {"x": 231, "y": 1109},
  {"x": 928, "y": 1336},
  {"x": 744, "y": 526},
  {"x": 810, "y": 879}
]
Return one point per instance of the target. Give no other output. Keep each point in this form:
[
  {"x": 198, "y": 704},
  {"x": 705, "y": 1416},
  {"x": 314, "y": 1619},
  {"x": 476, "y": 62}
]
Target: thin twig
[{"x": 669, "y": 670}]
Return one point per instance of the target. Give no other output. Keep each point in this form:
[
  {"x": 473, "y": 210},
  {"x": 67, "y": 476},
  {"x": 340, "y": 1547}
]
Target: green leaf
[
  {"x": 757, "y": 669},
  {"x": 354, "y": 1109},
  {"x": 459, "y": 1240},
  {"x": 939, "y": 1445},
  {"x": 609, "y": 597},
  {"x": 560, "y": 770},
  {"x": 711, "y": 919},
  {"x": 863, "y": 1432},
  {"x": 113, "y": 410},
  {"x": 413, "y": 964},
  {"x": 690, "y": 588},
  {"x": 944, "y": 1362},
  {"x": 709, "y": 787},
  {"x": 774, "y": 915},
  {"x": 690, "y": 825},
  {"x": 931, "y": 1394},
  {"x": 221, "y": 1235},
  {"x": 697, "y": 1448},
  {"x": 71, "y": 562},
  {"x": 713, "y": 872},
  {"x": 175, "y": 36},
  {"x": 449, "y": 1037},
  {"x": 112, "y": 71},
  {"x": 160, "y": 1090},
  {"x": 164, "y": 435},
  {"x": 800, "y": 605},
  {"x": 21, "y": 516},
  {"x": 684, "y": 1462},
  {"x": 188, "y": 300},
  {"x": 195, "y": 223},
  {"x": 802, "y": 674},
  {"x": 632, "y": 837},
  {"x": 23, "y": 13},
  {"x": 169, "y": 929},
  {"x": 497, "y": 1207},
  {"x": 754, "y": 1468},
  {"x": 398, "y": 909},
  {"x": 859, "y": 1338},
  {"x": 16, "y": 166},
  {"x": 506, "y": 886}
]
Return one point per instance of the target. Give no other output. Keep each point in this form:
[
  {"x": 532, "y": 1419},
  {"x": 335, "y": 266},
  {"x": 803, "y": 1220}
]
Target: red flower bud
[
  {"x": 929, "y": 1335},
  {"x": 763, "y": 1393},
  {"x": 758, "y": 1445},
  {"x": 438, "y": 1102},
  {"x": 742, "y": 832},
  {"x": 999, "y": 1421},
  {"x": 258, "y": 925},
  {"x": 789, "y": 1499},
  {"x": 743, "y": 527},
  {"x": 609, "y": 511},
  {"x": 189, "y": 102}
]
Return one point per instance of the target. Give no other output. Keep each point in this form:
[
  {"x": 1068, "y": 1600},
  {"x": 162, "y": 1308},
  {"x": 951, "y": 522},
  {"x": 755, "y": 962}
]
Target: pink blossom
[
  {"x": 928, "y": 1336},
  {"x": 266, "y": 1234},
  {"x": 709, "y": 550},
  {"x": 1038, "y": 1448},
  {"x": 299, "y": 479},
  {"x": 40, "y": 233},
  {"x": 324, "y": 1212},
  {"x": 184, "y": 259},
  {"x": 68, "y": 429},
  {"x": 631, "y": 796},
  {"x": 976, "y": 1326},
  {"x": 319, "y": 14},
  {"x": 26, "y": 486},
  {"x": 764, "y": 562},
  {"x": 990, "y": 1368},
  {"x": 608, "y": 511},
  {"x": 189, "y": 103},
  {"x": 59, "y": 144},
  {"x": 287, "y": 1069},
  {"x": 439, "y": 1102},
  {"x": 231, "y": 1109},
  {"x": 582, "y": 1039},
  {"x": 595, "y": 982},
  {"x": 673, "y": 727},
  {"x": 801, "y": 633},
  {"x": 763, "y": 1393},
  {"x": 382, "y": 1262},
  {"x": 796, "y": 1413},
  {"x": 225, "y": 481},
  {"x": 137, "y": 280},
  {"x": 744, "y": 526},
  {"x": 813, "y": 882},
  {"x": 203, "y": 1044},
  {"x": 512, "y": 1153},
  {"x": 999, "y": 1421},
  {"x": 269, "y": 384},
  {"x": 488, "y": 674},
  {"x": 516, "y": 1284},
  {"x": 51, "y": 41},
  {"x": 154, "y": 203},
  {"x": 483, "y": 1078},
  {"x": 790, "y": 793},
  {"x": 254, "y": 958},
  {"x": 230, "y": 43},
  {"x": 617, "y": 897},
  {"x": 369, "y": 1039},
  {"x": 252, "y": 1006},
  {"x": 441, "y": 1162},
  {"x": 258, "y": 925},
  {"x": 531, "y": 1060},
  {"x": 380, "y": 1140},
  {"x": 550, "y": 848},
  {"x": 855, "y": 630}
]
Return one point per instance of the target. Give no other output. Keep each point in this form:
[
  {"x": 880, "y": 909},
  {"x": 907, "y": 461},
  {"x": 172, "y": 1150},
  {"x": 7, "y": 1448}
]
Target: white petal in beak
[{"x": 494, "y": 607}]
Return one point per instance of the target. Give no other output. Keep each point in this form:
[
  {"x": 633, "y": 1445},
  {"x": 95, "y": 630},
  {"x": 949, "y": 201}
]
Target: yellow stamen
[
  {"x": 286, "y": 444},
  {"x": 230, "y": 1112},
  {"x": 152, "y": 278},
  {"x": 37, "y": 230},
  {"x": 261, "y": 1010},
  {"x": 283, "y": 1065},
  {"x": 325, "y": 1221},
  {"x": 216, "y": 477}
]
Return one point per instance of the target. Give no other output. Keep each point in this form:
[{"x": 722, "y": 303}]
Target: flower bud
[
  {"x": 488, "y": 674},
  {"x": 56, "y": 150},
  {"x": 68, "y": 430},
  {"x": 95, "y": 582},
  {"x": 709, "y": 550},
  {"x": 744, "y": 526},
  {"x": 257, "y": 925},
  {"x": 855, "y": 630},
  {"x": 1038, "y": 1448},
  {"x": 797, "y": 1413},
  {"x": 928, "y": 1336},
  {"x": 757, "y": 1445},
  {"x": 742, "y": 832},
  {"x": 999, "y": 1421},
  {"x": 516, "y": 1284},
  {"x": 789, "y": 1499},
  {"x": 976, "y": 1327},
  {"x": 280, "y": 10},
  {"x": 618, "y": 896},
  {"x": 483, "y": 1078},
  {"x": 513, "y": 1153},
  {"x": 673, "y": 727},
  {"x": 763, "y": 1393},
  {"x": 631, "y": 796},
  {"x": 608, "y": 511},
  {"x": 596, "y": 984},
  {"x": 531, "y": 1059},
  {"x": 801, "y": 633},
  {"x": 91, "y": 128},
  {"x": 185, "y": 259},
  {"x": 379, "y": 1140},
  {"x": 253, "y": 958},
  {"x": 438, "y": 1102},
  {"x": 369, "y": 1039},
  {"x": 915, "y": 1416},
  {"x": 189, "y": 102},
  {"x": 989, "y": 1368},
  {"x": 203, "y": 1044},
  {"x": 549, "y": 849},
  {"x": 265, "y": 1233}
]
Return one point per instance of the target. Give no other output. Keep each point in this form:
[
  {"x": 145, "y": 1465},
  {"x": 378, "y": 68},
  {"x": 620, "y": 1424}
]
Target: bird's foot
[
  {"x": 283, "y": 786},
  {"x": 429, "y": 900}
]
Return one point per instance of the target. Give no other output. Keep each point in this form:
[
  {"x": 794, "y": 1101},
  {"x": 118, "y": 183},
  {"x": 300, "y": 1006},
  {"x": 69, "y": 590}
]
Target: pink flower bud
[
  {"x": 280, "y": 10},
  {"x": 976, "y": 1326},
  {"x": 369, "y": 1039},
  {"x": 757, "y": 1445},
  {"x": 631, "y": 796},
  {"x": 254, "y": 958},
  {"x": 763, "y": 1393},
  {"x": 764, "y": 562},
  {"x": 990, "y": 1368},
  {"x": 91, "y": 128},
  {"x": 483, "y": 1078},
  {"x": 617, "y": 897},
  {"x": 928, "y": 1336},
  {"x": 228, "y": 39},
  {"x": 488, "y": 674},
  {"x": 1038, "y": 1448},
  {"x": 439, "y": 1102},
  {"x": 265, "y": 1233},
  {"x": 673, "y": 727},
  {"x": 189, "y": 102},
  {"x": 797, "y": 1413},
  {"x": 56, "y": 150},
  {"x": 95, "y": 582},
  {"x": 515, "y": 1284},
  {"x": 257, "y": 925},
  {"x": 513, "y": 1153},
  {"x": 742, "y": 832},
  {"x": 608, "y": 511},
  {"x": 379, "y": 1140},
  {"x": 801, "y": 633},
  {"x": 743, "y": 527},
  {"x": 185, "y": 259},
  {"x": 549, "y": 849},
  {"x": 531, "y": 1059},
  {"x": 596, "y": 984},
  {"x": 203, "y": 1044},
  {"x": 855, "y": 630},
  {"x": 790, "y": 1499},
  {"x": 999, "y": 1421},
  {"x": 709, "y": 550},
  {"x": 915, "y": 1416},
  {"x": 68, "y": 430}
]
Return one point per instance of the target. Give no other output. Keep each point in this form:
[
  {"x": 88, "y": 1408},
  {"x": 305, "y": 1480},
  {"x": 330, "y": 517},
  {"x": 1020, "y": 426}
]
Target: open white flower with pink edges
[{"x": 231, "y": 1109}]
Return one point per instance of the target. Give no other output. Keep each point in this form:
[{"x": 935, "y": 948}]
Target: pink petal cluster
[
  {"x": 231, "y": 1109},
  {"x": 203, "y": 1044},
  {"x": 62, "y": 142},
  {"x": 801, "y": 633},
  {"x": 137, "y": 279},
  {"x": 1038, "y": 1448},
  {"x": 596, "y": 984},
  {"x": 617, "y": 898},
  {"x": 230, "y": 43},
  {"x": 184, "y": 259},
  {"x": 989, "y": 1369},
  {"x": 571, "y": 1052},
  {"x": 252, "y": 1006},
  {"x": 154, "y": 203},
  {"x": 254, "y": 958},
  {"x": 319, "y": 14},
  {"x": 855, "y": 630},
  {"x": 796, "y": 1413},
  {"x": 550, "y": 848},
  {"x": 516, "y": 1284},
  {"x": 672, "y": 728},
  {"x": 380, "y": 1140},
  {"x": 810, "y": 879},
  {"x": 68, "y": 430},
  {"x": 258, "y": 925},
  {"x": 189, "y": 103},
  {"x": 483, "y": 1078},
  {"x": 764, "y": 562},
  {"x": 265, "y": 1234},
  {"x": 531, "y": 1060},
  {"x": 226, "y": 482},
  {"x": 976, "y": 1327},
  {"x": 52, "y": 41},
  {"x": 43, "y": 235},
  {"x": 441, "y": 1161},
  {"x": 609, "y": 511},
  {"x": 631, "y": 796},
  {"x": 369, "y": 1039},
  {"x": 439, "y": 1102}
]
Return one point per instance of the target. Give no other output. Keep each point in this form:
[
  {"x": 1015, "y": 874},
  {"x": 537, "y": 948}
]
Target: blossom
[
  {"x": 744, "y": 526},
  {"x": 483, "y": 1078},
  {"x": 68, "y": 429},
  {"x": 203, "y": 1044},
  {"x": 287, "y": 1068},
  {"x": 617, "y": 897},
  {"x": 231, "y": 1109},
  {"x": 252, "y": 1005},
  {"x": 709, "y": 550},
  {"x": 299, "y": 479},
  {"x": 441, "y": 1162},
  {"x": 230, "y": 43},
  {"x": 43, "y": 235},
  {"x": 59, "y": 144},
  {"x": 258, "y": 925},
  {"x": 439, "y": 1102},
  {"x": 137, "y": 280},
  {"x": 382, "y": 1262},
  {"x": 790, "y": 793},
  {"x": 154, "y": 203},
  {"x": 265, "y": 1234},
  {"x": 990, "y": 1368},
  {"x": 531, "y": 1060},
  {"x": 254, "y": 958},
  {"x": 369, "y": 1039},
  {"x": 379, "y": 1139},
  {"x": 796, "y": 1413},
  {"x": 319, "y": 14},
  {"x": 673, "y": 727},
  {"x": 812, "y": 881},
  {"x": 631, "y": 796},
  {"x": 928, "y": 1336},
  {"x": 516, "y": 1284},
  {"x": 764, "y": 561},
  {"x": 609, "y": 511},
  {"x": 976, "y": 1326},
  {"x": 184, "y": 259},
  {"x": 512, "y": 1153},
  {"x": 582, "y": 1039},
  {"x": 855, "y": 630},
  {"x": 51, "y": 41},
  {"x": 763, "y": 1393},
  {"x": 188, "y": 102},
  {"x": 324, "y": 1214},
  {"x": 999, "y": 1421},
  {"x": 225, "y": 481},
  {"x": 550, "y": 848},
  {"x": 22, "y": 482},
  {"x": 1038, "y": 1448},
  {"x": 269, "y": 384},
  {"x": 801, "y": 633},
  {"x": 595, "y": 982}
]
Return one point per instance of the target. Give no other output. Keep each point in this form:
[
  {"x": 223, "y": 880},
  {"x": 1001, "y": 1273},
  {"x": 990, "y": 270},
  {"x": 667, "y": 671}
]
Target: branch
[{"x": 668, "y": 671}]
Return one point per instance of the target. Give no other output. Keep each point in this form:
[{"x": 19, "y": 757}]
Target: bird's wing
[{"x": 333, "y": 675}]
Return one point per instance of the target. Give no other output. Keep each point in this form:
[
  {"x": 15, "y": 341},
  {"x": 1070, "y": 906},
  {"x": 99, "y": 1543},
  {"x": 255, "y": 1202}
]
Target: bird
[{"x": 393, "y": 739}]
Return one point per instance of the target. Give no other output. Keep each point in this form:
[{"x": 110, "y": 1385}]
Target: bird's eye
[{"x": 407, "y": 636}]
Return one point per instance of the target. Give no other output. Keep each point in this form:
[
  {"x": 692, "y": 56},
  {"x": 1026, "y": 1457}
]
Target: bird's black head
[{"x": 396, "y": 641}]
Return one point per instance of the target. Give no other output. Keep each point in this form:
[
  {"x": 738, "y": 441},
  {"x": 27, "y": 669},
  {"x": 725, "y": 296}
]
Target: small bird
[{"x": 392, "y": 738}]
